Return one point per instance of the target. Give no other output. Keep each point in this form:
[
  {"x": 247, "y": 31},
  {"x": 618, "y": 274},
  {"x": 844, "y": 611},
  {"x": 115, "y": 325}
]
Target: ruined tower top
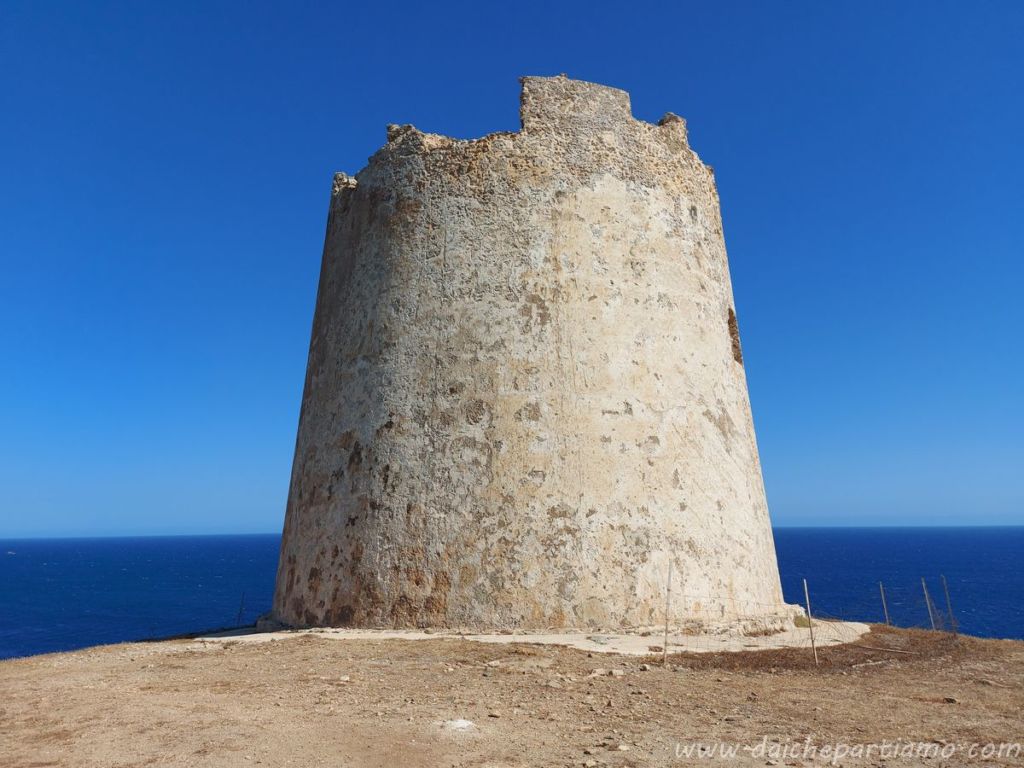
[{"x": 551, "y": 103}]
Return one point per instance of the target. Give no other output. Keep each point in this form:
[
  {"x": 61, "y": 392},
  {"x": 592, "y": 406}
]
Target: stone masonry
[{"x": 525, "y": 394}]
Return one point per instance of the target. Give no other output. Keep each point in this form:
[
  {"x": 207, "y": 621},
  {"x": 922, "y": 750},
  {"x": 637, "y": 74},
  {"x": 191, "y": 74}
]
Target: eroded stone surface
[{"x": 525, "y": 395}]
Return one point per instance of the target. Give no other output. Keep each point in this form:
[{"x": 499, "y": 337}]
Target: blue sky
[{"x": 164, "y": 176}]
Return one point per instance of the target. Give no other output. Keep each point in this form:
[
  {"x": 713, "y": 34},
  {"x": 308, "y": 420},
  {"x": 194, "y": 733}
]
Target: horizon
[
  {"x": 895, "y": 527},
  {"x": 166, "y": 192}
]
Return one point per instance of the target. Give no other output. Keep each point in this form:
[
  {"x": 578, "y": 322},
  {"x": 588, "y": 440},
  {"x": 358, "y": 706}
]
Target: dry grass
[{"x": 883, "y": 644}]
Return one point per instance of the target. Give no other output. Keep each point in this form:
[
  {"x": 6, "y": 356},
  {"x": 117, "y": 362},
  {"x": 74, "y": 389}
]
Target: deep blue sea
[{"x": 60, "y": 594}]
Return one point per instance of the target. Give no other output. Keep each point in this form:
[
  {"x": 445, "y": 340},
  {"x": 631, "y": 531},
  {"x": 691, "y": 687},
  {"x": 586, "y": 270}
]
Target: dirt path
[
  {"x": 634, "y": 643},
  {"x": 308, "y": 701}
]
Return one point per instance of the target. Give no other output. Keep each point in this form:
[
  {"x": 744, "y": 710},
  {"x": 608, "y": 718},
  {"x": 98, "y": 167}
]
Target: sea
[{"x": 63, "y": 594}]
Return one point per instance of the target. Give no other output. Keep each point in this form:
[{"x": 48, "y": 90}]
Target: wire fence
[
  {"x": 723, "y": 623},
  {"x": 924, "y": 604}
]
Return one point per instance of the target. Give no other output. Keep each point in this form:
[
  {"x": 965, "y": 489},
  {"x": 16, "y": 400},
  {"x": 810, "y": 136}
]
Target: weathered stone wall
[{"x": 525, "y": 394}]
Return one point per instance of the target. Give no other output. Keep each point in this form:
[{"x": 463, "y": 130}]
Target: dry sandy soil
[{"x": 308, "y": 701}]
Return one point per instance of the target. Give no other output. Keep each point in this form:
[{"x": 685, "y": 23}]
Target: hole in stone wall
[{"x": 734, "y": 334}]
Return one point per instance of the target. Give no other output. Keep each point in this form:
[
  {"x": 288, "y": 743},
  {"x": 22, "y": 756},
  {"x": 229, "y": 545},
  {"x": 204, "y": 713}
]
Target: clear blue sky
[{"x": 164, "y": 178}]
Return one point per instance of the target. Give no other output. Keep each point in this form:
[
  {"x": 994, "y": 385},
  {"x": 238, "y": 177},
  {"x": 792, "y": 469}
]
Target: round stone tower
[{"x": 525, "y": 395}]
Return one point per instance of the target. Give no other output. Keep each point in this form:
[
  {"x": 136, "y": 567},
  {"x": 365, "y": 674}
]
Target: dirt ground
[{"x": 308, "y": 701}]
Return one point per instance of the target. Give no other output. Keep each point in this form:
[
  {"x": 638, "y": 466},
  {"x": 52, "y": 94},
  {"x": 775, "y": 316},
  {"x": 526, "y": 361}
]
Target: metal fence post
[
  {"x": 949, "y": 607},
  {"x": 928, "y": 603},
  {"x": 810, "y": 622}
]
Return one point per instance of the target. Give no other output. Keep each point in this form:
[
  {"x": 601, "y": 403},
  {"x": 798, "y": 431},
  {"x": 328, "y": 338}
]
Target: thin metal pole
[
  {"x": 928, "y": 603},
  {"x": 885, "y": 607},
  {"x": 668, "y": 606},
  {"x": 810, "y": 622},
  {"x": 949, "y": 607}
]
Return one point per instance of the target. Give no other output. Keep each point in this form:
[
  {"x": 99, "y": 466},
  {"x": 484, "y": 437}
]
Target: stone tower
[{"x": 525, "y": 394}]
